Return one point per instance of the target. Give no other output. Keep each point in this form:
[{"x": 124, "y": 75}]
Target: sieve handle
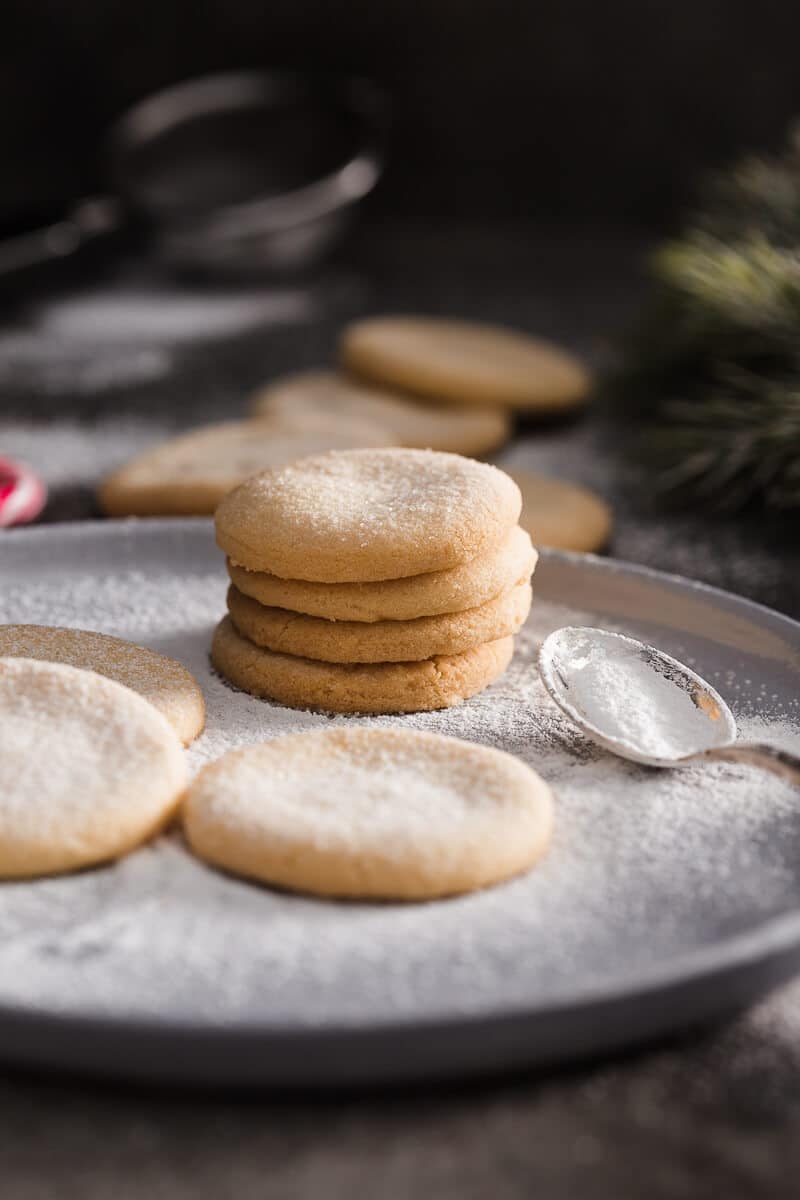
[{"x": 91, "y": 219}]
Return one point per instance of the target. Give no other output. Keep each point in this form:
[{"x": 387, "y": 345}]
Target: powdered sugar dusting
[
  {"x": 67, "y": 453},
  {"x": 94, "y": 341},
  {"x": 166, "y": 314},
  {"x": 645, "y": 865}
]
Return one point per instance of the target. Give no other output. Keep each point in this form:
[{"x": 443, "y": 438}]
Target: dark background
[{"x": 580, "y": 110}]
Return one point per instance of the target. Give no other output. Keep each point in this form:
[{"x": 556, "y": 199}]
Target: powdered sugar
[
  {"x": 57, "y": 368},
  {"x": 66, "y": 452},
  {"x": 166, "y": 314},
  {"x": 129, "y": 332},
  {"x": 646, "y": 866}
]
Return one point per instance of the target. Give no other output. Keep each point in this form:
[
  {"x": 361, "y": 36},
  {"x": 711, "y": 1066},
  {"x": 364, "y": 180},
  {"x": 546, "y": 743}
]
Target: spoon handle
[{"x": 758, "y": 754}]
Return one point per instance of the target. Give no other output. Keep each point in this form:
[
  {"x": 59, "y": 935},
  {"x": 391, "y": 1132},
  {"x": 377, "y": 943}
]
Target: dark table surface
[{"x": 93, "y": 371}]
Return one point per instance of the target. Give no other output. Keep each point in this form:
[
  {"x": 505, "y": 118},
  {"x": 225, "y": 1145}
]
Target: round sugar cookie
[
  {"x": 356, "y": 516},
  {"x": 438, "y": 682},
  {"x": 472, "y": 432},
  {"x": 563, "y": 515},
  {"x": 459, "y": 362},
  {"x": 188, "y": 475},
  {"x": 379, "y": 641},
  {"x": 88, "y": 769},
  {"x": 378, "y": 814},
  {"x": 163, "y": 681},
  {"x": 455, "y": 590}
]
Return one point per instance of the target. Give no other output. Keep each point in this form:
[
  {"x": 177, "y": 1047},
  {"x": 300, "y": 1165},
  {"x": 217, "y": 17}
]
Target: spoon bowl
[{"x": 644, "y": 705}]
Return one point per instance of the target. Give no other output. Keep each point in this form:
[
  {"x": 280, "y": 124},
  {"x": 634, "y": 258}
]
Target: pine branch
[
  {"x": 757, "y": 196},
  {"x": 714, "y": 367},
  {"x": 740, "y": 443}
]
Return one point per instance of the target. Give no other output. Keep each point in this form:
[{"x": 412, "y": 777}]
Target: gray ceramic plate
[{"x": 666, "y": 900}]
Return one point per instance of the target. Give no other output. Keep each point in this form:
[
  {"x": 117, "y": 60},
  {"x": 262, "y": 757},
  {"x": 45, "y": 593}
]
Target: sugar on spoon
[{"x": 644, "y": 705}]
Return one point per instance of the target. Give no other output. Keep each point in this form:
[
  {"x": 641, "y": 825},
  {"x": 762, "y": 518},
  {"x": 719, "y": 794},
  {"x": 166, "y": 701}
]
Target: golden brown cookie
[
  {"x": 163, "y": 681},
  {"x": 474, "y": 432},
  {"x": 380, "y": 814},
  {"x": 88, "y": 768},
  {"x": 357, "y": 516},
  {"x": 435, "y": 683},
  {"x": 459, "y": 362},
  {"x": 563, "y": 515},
  {"x": 450, "y": 591},
  {"x": 379, "y": 641},
  {"x": 188, "y": 475}
]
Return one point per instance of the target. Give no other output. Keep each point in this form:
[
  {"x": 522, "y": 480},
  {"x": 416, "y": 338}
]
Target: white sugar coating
[
  {"x": 162, "y": 681},
  {"x": 88, "y": 769},
  {"x": 388, "y": 813},
  {"x": 360, "y": 516},
  {"x": 644, "y": 866}
]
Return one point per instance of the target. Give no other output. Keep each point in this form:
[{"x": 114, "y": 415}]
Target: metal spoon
[{"x": 646, "y": 706}]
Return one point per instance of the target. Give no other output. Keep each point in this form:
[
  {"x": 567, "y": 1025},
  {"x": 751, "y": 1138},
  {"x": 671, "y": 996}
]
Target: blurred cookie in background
[
  {"x": 410, "y": 423},
  {"x": 465, "y": 363},
  {"x": 562, "y": 515},
  {"x": 189, "y": 474}
]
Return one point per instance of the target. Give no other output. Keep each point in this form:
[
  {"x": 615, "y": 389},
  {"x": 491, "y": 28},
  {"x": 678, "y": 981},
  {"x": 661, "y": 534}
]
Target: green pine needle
[
  {"x": 740, "y": 443},
  {"x": 747, "y": 289},
  {"x": 714, "y": 368},
  {"x": 758, "y": 195}
]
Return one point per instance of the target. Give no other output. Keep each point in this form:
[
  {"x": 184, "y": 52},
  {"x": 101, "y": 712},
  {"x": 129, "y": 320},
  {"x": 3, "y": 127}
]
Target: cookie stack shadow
[{"x": 372, "y": 581}]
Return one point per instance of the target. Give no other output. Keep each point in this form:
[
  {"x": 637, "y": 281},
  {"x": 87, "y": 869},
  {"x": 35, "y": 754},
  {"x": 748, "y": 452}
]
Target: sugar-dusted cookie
[
  {"x": 438, "y": 682},
  {"x": 474, "y": 431},
  {"x": 381, "y": 814},
  {"x": 189, "y": 474},
  {"x": 460, "y": 362},
  {"x": 163, "y": 681},
  {"x": 88, "y": 768},
  {"x": 450, "y": 591},
  {"x": 563, "y": 515},
  {"x": 379, "y": 641},
  {"x": 356, "y": 516}
]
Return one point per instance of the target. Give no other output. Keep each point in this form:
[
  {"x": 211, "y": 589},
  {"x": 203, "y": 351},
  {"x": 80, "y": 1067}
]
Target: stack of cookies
[{"x": 372, "y": 581}]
